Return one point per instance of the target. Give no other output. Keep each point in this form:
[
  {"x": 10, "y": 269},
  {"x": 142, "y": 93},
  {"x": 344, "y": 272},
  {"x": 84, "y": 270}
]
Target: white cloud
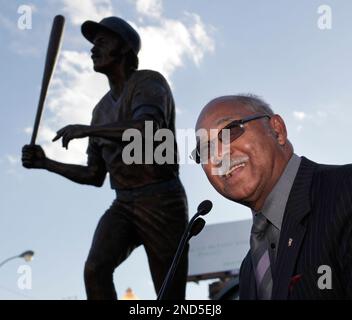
[
  {"x": 178, "y": 110},
  {"x": 166, "y": 46},
  {"x": 76, "y": 88},
  {"x": 12, "y": 159},
  {"x": 28, "y": 130},
  {"x": 299, "y": 115},
  {"x": 200, "y": 34},
  {"x": 317, "y": 116},
  {"x": 150, "y": 8},
  {"x": 80, "y": 11}
]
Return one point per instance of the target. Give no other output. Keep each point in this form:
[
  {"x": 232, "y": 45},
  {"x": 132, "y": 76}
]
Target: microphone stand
[{"x": 194, "y": 227}]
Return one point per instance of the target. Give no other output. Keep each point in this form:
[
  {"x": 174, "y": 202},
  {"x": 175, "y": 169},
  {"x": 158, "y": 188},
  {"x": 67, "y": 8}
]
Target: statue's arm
[
  {"x": 112, "y": 131},
  {"x": 33, "y": 157}
]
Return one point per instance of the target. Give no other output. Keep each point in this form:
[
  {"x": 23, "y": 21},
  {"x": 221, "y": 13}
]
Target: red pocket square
[{"x": 294, "y": 281}]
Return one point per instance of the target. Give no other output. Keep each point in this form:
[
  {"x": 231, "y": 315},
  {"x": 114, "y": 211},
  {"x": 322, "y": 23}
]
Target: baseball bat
[{"x": 50, "y": 61}]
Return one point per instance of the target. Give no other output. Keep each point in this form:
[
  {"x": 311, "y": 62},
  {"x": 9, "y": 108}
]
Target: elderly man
[
  {"x": 151, "y": 205},
  {"x": 301, "y": 238}
]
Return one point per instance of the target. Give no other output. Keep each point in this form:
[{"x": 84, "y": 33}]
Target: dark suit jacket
[{"x": 318, "y": 219}]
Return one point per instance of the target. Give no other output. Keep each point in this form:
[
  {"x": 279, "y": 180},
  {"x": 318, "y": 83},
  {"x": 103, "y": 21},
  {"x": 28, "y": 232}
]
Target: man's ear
[{"x": 279, "y": 127}]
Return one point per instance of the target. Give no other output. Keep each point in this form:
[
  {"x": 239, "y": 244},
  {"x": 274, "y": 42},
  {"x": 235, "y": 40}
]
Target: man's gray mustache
[{"x": 227, "y": 163}]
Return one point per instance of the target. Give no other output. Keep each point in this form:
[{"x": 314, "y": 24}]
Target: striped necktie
[{"x": 260, "y": 257}]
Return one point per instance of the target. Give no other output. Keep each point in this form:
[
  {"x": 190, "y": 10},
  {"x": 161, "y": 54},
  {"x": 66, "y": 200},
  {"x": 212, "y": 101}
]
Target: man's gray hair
[{"x": 256, "y": 103}]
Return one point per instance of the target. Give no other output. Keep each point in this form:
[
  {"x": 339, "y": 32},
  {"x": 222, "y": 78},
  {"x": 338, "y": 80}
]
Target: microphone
[
  {"x": 195, "y": 226},
  {"x": 203, "y": 209}
]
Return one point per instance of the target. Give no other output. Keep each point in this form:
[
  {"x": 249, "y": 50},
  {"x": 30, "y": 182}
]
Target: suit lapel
[{"x": 293, "y": 231}]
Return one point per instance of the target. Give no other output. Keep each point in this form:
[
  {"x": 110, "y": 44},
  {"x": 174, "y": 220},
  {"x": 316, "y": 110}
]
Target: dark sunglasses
[{"x": 236, "y": 128}]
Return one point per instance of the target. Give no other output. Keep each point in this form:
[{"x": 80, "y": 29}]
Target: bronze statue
[{"x": 151, "y": 205}]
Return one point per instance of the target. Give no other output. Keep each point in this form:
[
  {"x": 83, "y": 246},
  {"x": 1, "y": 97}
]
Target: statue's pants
[{"x": 154, "y": 217}]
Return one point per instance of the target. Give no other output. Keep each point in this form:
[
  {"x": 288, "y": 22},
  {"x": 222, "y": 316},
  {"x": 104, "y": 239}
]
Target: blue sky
[{"x": 206, "y": 49}]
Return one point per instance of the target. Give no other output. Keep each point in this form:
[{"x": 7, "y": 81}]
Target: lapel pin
[{"x": 290, "y": 240}]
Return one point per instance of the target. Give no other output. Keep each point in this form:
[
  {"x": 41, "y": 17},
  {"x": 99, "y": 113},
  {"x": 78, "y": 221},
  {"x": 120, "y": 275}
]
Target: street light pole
[{"x": 26, "y": 255}]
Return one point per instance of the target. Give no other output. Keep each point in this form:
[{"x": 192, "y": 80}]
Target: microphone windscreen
[
  {"x": 204, "y": 207},
  {"x": 197, "y": 227}
]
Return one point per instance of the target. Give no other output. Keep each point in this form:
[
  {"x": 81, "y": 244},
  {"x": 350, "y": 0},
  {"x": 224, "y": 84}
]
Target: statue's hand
[
  {"x": 73, "y": 131},
  {"x": 33, "y": 156}
]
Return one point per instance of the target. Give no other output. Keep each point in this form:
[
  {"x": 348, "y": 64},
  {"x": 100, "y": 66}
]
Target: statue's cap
[{"x": 116, "y": 25}]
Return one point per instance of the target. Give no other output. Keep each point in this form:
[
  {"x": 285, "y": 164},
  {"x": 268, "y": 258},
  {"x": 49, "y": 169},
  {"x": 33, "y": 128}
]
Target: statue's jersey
[{"x": 145, "y": 91}]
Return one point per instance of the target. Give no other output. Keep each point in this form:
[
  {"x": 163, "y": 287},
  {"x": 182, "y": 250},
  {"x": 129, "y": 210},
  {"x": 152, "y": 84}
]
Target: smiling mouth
[
  {"x": 236, "y": 165},
  {"x": 229, "y": 173}
]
